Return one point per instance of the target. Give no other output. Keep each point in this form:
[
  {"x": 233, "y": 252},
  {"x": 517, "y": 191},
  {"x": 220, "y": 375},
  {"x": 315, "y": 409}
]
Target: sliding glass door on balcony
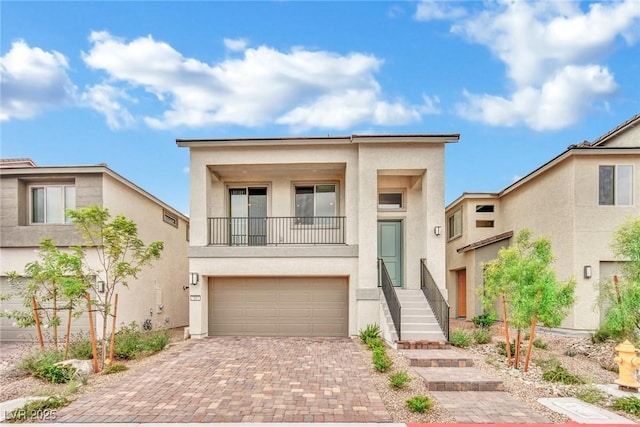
[{"x": 248, "y": 216}]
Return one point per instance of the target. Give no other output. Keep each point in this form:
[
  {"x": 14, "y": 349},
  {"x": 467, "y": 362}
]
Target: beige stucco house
[
  {"x": 577, "y": 199},
  {"x": 33, "y": 200},
  {"x": 286, "y": 232}
]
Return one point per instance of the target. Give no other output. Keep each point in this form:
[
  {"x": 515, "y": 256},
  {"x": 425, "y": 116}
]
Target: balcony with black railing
[{"x": 274, "y": 231}]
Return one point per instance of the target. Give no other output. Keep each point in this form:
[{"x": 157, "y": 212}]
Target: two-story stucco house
[
  {"x": 577, "y": 199},
  {"x": 286, "y": 233},
  {"x": 33, "y": 200}
]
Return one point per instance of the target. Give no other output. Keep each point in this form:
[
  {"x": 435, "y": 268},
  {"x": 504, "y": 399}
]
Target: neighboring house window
[
  {"x": 318, "y": 200},
  {"x": 454, "y": 224},
  {"x": 482, "y": 223},
  {"x": 50, "y": 202},
  {"x": 484, "y": 208},
  {"x": 169, "y": 218},
  {"x": 391, "y": 200},
  {"x": 616, "y": 185}
]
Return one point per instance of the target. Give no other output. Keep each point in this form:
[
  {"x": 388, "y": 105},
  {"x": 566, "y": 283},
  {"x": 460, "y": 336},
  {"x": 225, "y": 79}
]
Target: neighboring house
[
  {"x": 286, "y": 232},
  {"x": 33, "y": 200},
  {"x": 577, "y": 199}
]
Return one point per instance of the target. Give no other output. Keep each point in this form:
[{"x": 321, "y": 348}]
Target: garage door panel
[{"x": 291, "y": 306}]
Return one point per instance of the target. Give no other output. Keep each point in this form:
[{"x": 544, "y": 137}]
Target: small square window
[
  {"x": 390, "y": 200},
  {"x": 484, "y": 208},
  {"x": 484, "y": 223},
  {"x": 169, "y": 218}
]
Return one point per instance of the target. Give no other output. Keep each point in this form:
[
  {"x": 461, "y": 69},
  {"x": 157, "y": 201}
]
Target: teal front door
[{"x": 390, "y": 248}]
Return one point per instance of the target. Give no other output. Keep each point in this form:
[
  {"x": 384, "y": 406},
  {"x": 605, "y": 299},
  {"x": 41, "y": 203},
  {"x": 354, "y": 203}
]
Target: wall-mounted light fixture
[
  {"x": 100, "y": 286},
  {"x": 437, "y": 230},
  {"x": 193, "y": 279},
  {"x": 587, "y": 272}
]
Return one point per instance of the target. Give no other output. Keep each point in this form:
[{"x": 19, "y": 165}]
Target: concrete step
[
  {"x": 422, "y": 336},
  {"x": 420, "y": 327},
  {"x": 458, "y": 379},
  {"x": 437, "y": 358},
  {"x": 415, "y": 318},
  {"x": 424, "y": 311}
]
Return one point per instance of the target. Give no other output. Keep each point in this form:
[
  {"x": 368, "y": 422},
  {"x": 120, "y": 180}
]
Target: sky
[{"x": 117, "y": 82}]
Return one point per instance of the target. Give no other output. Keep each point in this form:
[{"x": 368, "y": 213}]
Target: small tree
[
  {"x": 622, "y": 317},
  {"x": 54, "y": 277},
  {"x": 121, "y": 254},
  {"x": 524, "y": 273}
]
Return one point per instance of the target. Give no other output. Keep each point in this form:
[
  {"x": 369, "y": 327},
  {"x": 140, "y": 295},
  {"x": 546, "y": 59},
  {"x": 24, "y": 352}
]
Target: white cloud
[
  {"x": 185, "y": 170},
  {"x": 235, "y": 45},
  {"x": 302, "y": 89},
  {"x": 553, "y": 53},
  {"x": 32, "y": 79},
  {"x": 430, "y": 10},
  {"x": 104, "y": 99}
]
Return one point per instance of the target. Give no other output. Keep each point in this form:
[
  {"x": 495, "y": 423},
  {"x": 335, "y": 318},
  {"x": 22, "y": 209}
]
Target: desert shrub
[
  {"x": 602, "y": 335},
  {"x": 630, "y": 405},
  {"x": 571, "y": 352},
  {"x": 131, "y": 343},
  {"x": 485, "y": 320},
  {"x": 591, "y": 394},
  {"x": 41, "y": 364},
  {"x": 502, "y": 348},
  {"x": 538, "y": 343},
  {"x": 80, "y": 347},
  {"x": 481, "y": 336},
  {"x": 560, "y": 375},
  {"x": 370, "y": 331},
  {"x": 381, "y": 361},
  {"x": 547, "y": 364},
  {"x": 419, "y": 404},
  {"x": 460, "y": 338},
  {"x": 56, "y": 374},
  {"x": 399, "y": 379},
  {"x": 36, "y": 407},
  {"x": 374, "y": 343},
  {"x": 114, "y": 369}
]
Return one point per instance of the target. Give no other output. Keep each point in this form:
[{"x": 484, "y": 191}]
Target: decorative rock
[{"x": 82, "y": 367}]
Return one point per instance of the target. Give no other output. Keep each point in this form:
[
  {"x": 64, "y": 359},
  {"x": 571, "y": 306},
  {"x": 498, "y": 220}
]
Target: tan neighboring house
[
  {"x": 286, "y": 233},
  {"x": 33, "y": 200},
  {"x": 577, "y": 199}
]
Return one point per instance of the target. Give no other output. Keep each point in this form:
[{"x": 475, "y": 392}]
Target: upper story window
[
  {"x": 314, "y": 201},
  {"x": 454, "y": 224},
  {"x": 169, "y": 218},
  {"x": 391, "y": 200},
  {"x": 484, "y": 208},
  {"x": 615, "y": 185},
  {"x": 50, "y": 202}
]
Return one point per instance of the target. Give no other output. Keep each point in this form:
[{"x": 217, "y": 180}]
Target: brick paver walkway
[{"x": 253, "y": 379}]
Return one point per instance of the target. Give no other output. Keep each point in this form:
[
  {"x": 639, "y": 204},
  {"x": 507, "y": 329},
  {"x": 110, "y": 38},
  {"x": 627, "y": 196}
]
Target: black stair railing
[
  {"x": 438, "y": 303},
  {"x": 389, "y": 291}
]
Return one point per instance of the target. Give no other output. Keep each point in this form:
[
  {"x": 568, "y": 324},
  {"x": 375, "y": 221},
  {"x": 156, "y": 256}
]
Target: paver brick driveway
[{"x": 253, "y": 379}]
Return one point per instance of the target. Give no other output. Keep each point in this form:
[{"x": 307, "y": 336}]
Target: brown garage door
[{"x": 291, "y": 306}]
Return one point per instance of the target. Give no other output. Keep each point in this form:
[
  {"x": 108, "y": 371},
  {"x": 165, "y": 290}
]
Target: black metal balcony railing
[
  {"x": 390, "y": 295},
  {"x": 438, "y": 303},
  {"x": 273, "y": 231}
]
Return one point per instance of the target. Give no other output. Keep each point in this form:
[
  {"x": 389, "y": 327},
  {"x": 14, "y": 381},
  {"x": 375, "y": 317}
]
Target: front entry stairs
[{"x": 417, "y": 321}]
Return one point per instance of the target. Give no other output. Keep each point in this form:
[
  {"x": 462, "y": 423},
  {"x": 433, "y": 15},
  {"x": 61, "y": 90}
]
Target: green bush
[
  {"x": 460, "y": 338},
  {"x": 419, "y": 404},
  {"x": 374, "y": 343},
  {"x": 56, "y": 374},
  {"x": 35, "y": 407},
  {"x": 112, "y": 369},
  {"x": 482, "y": 336},
  {"x": 381, "y": 361},
  {"x": 630, "y": 405},
  {"x": 41, "y": 364},
  {"x": 560, "y": 375},
  {"x": 132, "y": 343},
  {"x": 485, "y": 320},
  {"x": 399, "y": 379},
  {"x": 602, "y": 335},
  {"x": 502, "y": 348},
  {"x": 538, "y": 343},
  {"x": 591, "y": 394},
  {"x": 371, "y": 331},
  {"x": 80, "y": 347},
  {"x": 571, "y": 352}
]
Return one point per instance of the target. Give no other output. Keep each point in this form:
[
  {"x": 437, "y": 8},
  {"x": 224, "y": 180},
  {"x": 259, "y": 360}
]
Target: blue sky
[{"x": 118, "y": 82}]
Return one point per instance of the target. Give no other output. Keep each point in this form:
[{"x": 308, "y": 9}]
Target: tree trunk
[
  {"x": 530, "y": 348},
  {"x": 506, "y": 330},
  {"x": 68, "y": 337},
  {"x": 113, "y": 330},
  {"x": 518, "y": 339},
  {"x": 55, "y": 318},
  {"x": 92, "y": 333},
  {"x": 36, "y": 316}
]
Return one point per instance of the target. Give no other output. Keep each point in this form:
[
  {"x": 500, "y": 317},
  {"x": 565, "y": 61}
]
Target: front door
[
  {"x": 390, "y": 249},
  {"x": 248, "y": 216},
  {"x": 462, "y": 293}
]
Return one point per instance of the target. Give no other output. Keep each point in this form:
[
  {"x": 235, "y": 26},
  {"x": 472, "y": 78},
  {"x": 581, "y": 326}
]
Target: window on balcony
[
  {"x": 50, "y": 202},
  {"x": 615, "y": 185},
  {"x": 314, "y": 203}
]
